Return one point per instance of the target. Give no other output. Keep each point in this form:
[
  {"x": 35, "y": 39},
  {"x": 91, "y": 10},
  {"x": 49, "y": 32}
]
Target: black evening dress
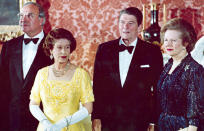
[
  {"x": 201, "y": 105},
  {"x": 177, "y": 95}
]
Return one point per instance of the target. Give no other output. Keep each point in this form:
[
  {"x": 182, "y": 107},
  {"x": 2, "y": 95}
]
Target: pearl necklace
[{"x": 61, "y": 72}]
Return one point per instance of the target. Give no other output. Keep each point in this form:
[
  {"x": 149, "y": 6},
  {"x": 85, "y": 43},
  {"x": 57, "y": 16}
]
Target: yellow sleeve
[
  {"x": 35, "y": 91},
  {"x": 86, "y": 87}
]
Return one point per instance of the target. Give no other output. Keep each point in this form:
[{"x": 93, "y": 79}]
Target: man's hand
[
  {"x": 150, "y": 128},
  {"x": 184, "y": 129},
  {"x": 190, "y": 128},
  {"x": 96, "y": 125}
]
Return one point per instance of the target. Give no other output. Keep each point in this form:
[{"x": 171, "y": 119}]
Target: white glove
[
  {"x": 69, "y": 120},
  {"x": 46, "y": 124},
  {"x": 40, "y": 116},
  {"x": 54, "y": 127}
]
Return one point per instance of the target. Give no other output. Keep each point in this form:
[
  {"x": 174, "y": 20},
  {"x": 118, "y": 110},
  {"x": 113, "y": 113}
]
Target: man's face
[
  {"x": 128, "y": 28},
  {"x": 29, "y": 20}
]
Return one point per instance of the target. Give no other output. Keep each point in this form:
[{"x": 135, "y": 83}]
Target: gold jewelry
[{"x": 61, "y": 72}]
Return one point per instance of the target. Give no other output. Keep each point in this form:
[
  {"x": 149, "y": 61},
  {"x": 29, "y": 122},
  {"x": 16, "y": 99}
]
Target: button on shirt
[
  {"x": 124, "y": 61},
  {"x": 29, "y": 52}
]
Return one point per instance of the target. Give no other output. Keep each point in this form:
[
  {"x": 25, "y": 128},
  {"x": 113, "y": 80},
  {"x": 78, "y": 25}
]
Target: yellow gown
[{"x": 62, "y": 98}]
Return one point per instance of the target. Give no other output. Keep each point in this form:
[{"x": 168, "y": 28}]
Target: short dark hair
[
  {"x": 133, "y": 11},
  {"x": 58, "y": 33},
  {"x": 41, "y": 11},
  {"x": 188, "y": 33}
]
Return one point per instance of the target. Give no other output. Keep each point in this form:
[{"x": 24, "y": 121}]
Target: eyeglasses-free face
[
  {"x": 128, "y": 28},
  {"x": 61, "y": 51},
  {"x": 29, "y": 20},
  {"x": 173, "y": 44}
]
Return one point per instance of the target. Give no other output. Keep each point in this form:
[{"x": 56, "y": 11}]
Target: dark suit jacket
[
  {"x": 16, "y": 89},
  {"x": 130, "y": 106}
]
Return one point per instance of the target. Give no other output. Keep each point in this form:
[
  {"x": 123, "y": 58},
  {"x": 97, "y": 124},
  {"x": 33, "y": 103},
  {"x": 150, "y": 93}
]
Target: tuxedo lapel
[
  {"x": 17, "y": 58},
  {"x": 115, "y": 60},
  {"x": 136, "y": 56}
]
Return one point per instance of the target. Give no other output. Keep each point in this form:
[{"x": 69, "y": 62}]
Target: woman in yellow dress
[{"x": 61, "y": 88}]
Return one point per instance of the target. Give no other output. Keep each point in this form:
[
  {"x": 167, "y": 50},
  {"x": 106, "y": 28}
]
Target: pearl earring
[{"x": 51, "y": 56}]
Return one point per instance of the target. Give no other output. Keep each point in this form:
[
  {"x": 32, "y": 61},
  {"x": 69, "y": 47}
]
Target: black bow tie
[
  {"x": 123, "y": 47},
  {"x": 34, "y": 40}
]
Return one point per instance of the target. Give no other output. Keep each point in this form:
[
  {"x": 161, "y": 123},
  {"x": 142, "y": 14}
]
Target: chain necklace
[{"x": 60, "y": 73}]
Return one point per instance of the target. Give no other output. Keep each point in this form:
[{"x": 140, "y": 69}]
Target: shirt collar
[
  {"x": 131, "y": 44},
  {"x": 40, "y": 35}
]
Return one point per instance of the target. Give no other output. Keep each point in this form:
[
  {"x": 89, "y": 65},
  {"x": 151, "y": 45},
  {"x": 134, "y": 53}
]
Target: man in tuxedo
[
  {"x": 20, "y": 60},
  {"x": 126, "y": 71}
]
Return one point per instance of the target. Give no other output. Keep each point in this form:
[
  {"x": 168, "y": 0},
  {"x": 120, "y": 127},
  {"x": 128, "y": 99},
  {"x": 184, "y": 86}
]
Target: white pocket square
[{"x": 144, "y": 66}]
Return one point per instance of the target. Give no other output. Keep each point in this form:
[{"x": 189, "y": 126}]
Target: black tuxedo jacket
[
  {"x": 16, "y": 89},
  {"x": 132, "y": 104}
]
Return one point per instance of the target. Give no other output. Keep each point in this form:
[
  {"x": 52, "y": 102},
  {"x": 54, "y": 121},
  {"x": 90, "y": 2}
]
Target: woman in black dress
[{"x": 179, "y": 83}]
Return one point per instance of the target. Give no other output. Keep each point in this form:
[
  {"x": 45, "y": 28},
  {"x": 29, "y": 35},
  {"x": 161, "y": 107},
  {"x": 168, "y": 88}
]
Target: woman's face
[
  {"x": 61, "y": 51},
  {"x": 173, "y": 44}
]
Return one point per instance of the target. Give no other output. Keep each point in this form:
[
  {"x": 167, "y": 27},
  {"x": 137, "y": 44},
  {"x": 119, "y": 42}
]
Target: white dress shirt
[
  {"x": 198, "y": 52},
  {"x": 29, "y": 52},
  {"x": 124, "y": 61}
]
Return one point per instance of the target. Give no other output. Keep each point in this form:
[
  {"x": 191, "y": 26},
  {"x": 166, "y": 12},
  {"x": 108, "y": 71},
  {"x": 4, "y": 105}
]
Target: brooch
[{"x": 186, "y": 67}]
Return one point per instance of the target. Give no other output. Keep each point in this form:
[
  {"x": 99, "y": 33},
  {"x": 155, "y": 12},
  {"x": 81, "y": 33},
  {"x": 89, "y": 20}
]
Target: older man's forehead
[{"x": 30, "y": 9}]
